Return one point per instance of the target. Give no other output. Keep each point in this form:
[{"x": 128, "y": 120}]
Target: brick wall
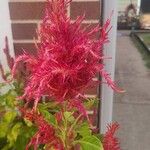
[{"x": 26, "y": 16}]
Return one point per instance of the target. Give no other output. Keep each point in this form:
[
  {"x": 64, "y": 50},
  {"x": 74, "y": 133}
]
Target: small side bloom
[
  {"x": 45, "y": 132},
  {"x": 110, "y": 142},
  {"x": 10, "y": 59},
  {"x": 2, "y": 72}
]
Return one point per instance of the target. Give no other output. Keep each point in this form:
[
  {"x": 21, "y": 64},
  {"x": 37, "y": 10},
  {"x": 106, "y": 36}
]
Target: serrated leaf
[
  {"x": 9, "y": 116},
  {"x": 69, "y": 116},
  {"x": 9, "y": 98},
  {"x": 48, "y": 116},
  {"x": 90, "y": 143},
  {"x": 24, "y": 137},
  {"x": 52, "y": 119},
  {"x": 91, "y": 102},
  {"x": 84, "y": 130},
  {"x": 48, "y": 105},
  {"x": 10, "y": 102},
  {"x": 16, "y": 130},
  {"x": 13, "y": 134},
  {"x": 28, "y": 122},
  {"x": 99, "y": 136},
  {"x": 3, "y": 129}
]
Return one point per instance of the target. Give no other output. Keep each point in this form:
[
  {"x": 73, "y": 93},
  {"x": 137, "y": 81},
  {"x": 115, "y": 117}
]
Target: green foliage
[
  {"x": 91, "y": 102},
  {"x": 68, "y": 116},
  {"x": 90, "y": 143},
  {"x": 84, "y": 130},
  {"x": 48, "y": 116},
  {"x": 15, "y": 132}
]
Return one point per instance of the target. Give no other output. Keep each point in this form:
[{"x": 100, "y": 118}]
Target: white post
[
  {"x": 109, "y": 50},
  {"x": 5, "y": 30},
  {"x": 138, "y": 7}
]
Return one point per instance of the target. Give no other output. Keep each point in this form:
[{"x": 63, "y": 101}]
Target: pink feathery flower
[
  {"x": 110, "y": 142},
  {"x": 45, "y": 133},
  {"x": 67, "y": 58}
]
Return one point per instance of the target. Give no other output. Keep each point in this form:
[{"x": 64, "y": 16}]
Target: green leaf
[
  {"x": 99, "y": 136},
  {"x": 84, "y": 130},
  {"x": 52, "y": 106},
  {"x": 6, "y": 147},
  {"x": 10, "y": 101},
  {"x": 3, "y": 142},
  {"x": 52, "y": 119},
  {"x": 9, "y": 98},
  {"x": 48, "y": 116},
  {"x": 28, "y": 122},
  {"x": 91, "y": 102},
  {"x": 3, "y": 129},
  {"x": 16, "y": 130},
  {"x": 13, "y": 134},
  {"x": 24, "y": 137},
  {"x": 90, "y": 143},
  {"x": 10, "y": 116},
  {"x": 69, "y": 116}
]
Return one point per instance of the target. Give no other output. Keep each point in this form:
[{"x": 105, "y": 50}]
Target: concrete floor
[{"x": 132, "y": 109}]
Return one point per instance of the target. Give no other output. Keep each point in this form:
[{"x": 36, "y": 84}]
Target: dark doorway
[{"x": 145, "y": 6}]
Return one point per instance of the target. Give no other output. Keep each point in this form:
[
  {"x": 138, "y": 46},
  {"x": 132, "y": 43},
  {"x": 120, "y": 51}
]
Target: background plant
[{"x": 14, "y": 130}]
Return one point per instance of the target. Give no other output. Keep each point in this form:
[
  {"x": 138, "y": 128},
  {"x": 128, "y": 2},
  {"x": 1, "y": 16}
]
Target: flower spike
[{"x": 67, "y": 58}]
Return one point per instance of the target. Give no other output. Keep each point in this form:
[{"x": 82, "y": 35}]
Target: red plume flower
[
  {"x": 110, "y": 142},
  {"x": 45, "y": 133},
  {"x": 67, "y": 58}
]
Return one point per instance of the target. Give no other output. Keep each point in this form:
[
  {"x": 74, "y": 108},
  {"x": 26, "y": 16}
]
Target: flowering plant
[
  {"x": 56, "y": 78},
  {"x": 15, "y": 131}
]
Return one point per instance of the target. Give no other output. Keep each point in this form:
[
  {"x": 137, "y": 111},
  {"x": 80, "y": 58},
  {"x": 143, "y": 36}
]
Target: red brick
[
  {"x": 26, "y": 10},
  {"x": 24, "y": 31},
  {"x": 92, "y": 91},
  {"x": 28, "y": 47},
  {"x": 91, "y": 9}
]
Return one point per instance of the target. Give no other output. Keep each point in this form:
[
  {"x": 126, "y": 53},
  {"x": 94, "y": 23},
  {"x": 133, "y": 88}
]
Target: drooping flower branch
[
  {"x": 9, "y": 58},
  {"x": 110, "y": 141}
]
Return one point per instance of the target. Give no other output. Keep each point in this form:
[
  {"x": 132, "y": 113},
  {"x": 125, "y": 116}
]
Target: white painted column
[
  {"x": 5, "y": 30},
  {"x": 109, "y": 50},
  {"x": 138, "y": 7}
]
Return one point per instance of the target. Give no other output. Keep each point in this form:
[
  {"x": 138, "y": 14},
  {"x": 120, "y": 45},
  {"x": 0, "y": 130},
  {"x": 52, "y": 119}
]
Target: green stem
[
  {"x": 65, "y": 128},
  {"x": 75, "y": 122}
]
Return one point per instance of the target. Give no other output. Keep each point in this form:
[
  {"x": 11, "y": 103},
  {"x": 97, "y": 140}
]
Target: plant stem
[{"x": 75, "y": 122}]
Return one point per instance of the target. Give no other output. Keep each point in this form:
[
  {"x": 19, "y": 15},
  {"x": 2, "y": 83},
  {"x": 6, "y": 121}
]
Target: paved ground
[{"x": 132, "y": 109}]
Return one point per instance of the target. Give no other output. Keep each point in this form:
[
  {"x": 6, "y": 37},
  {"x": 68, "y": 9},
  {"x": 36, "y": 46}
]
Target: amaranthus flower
[
  {"x": 67, "y": 58},
  {"x": 110, "y": 142},
  {"x": 45, "y": 133}
]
